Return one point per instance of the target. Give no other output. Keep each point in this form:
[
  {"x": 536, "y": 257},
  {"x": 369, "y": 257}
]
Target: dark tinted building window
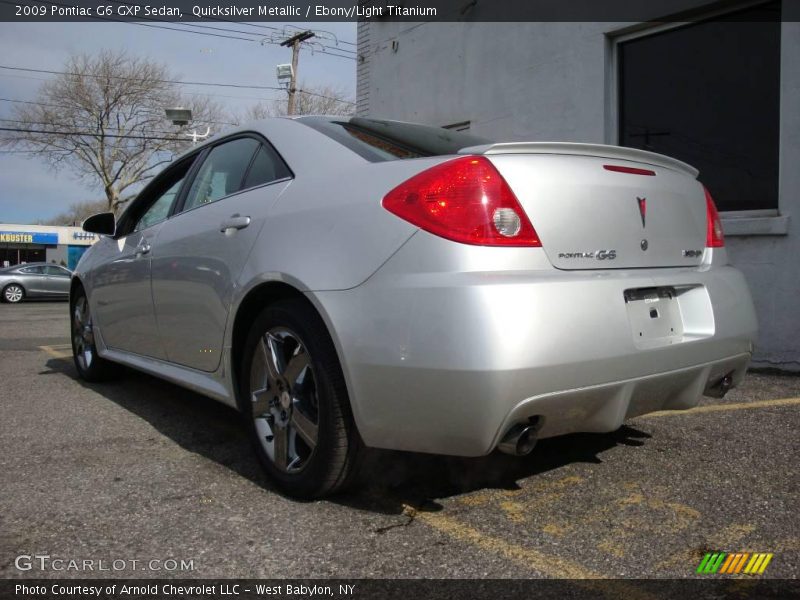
[
  {"x": 708, "y": 94},
  {"x": 378, "y": 140}
]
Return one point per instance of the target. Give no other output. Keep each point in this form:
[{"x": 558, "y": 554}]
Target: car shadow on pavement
[
  {"x": 390, "y": 481},
  {"x": 193, "y": 421},
  {"x": 394, "y": 481}
]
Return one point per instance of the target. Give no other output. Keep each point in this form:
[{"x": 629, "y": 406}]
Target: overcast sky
[{"x": 30, "y": 191}]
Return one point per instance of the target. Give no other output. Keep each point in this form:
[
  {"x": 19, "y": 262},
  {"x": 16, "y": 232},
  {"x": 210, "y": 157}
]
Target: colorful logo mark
[{"x": 733, "y": 563}]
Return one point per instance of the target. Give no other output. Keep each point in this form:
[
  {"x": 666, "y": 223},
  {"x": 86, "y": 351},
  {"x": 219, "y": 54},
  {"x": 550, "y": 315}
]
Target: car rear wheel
[
  {"x": 13, "y": 293},
  {"x": 84, "y": 350},
  {"x": 293, "y": 396}
]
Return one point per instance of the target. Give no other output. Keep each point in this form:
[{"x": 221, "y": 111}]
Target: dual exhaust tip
[{"x": 521, "y": 439}]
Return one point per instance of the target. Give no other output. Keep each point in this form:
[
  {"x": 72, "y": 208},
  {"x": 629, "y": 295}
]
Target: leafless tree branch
[{"x": 103, "y": 99}]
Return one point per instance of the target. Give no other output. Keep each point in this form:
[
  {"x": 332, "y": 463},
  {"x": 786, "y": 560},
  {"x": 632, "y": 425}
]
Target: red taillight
[
  {"x": 465, "y": 200},
  {"x": 629, "y": 170},
  {"x": 714, "y": 237}
]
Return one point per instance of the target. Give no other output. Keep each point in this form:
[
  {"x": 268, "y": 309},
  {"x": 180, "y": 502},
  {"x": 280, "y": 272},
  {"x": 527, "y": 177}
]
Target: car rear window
[{"x": 378, "y": 140}]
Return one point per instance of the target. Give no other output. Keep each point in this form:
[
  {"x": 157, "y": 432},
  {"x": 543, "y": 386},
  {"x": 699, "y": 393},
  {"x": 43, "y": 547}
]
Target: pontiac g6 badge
[
  {"x": 597, "y": 254},
  {"x": 642, "y": 208}
]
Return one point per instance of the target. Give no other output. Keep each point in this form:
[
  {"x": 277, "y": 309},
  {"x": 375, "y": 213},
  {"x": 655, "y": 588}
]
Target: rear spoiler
[{"x": 576, "y": 149}]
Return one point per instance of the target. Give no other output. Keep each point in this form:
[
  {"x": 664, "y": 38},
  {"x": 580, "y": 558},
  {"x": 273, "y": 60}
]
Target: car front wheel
[
  {"x": 13, "y": 293},
  {"x": 293, "y": 396},
  {"x": 84, "y": 350}
]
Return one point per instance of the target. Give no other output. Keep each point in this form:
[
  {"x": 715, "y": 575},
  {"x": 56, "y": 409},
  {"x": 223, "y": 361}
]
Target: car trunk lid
[{"x": 605, "y": 207}]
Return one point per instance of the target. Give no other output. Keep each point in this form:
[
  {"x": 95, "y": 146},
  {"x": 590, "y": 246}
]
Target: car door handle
[
  {"x": 142, "y": 249},
  {"x": 234, "y": 222}
]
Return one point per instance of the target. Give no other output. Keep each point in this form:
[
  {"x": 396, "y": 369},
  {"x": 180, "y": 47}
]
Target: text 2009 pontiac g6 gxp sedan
[{"x": 349, "y": 283}]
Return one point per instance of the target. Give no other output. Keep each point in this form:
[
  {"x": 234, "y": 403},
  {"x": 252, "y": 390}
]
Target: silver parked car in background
[
  {"x": 34, "y": 280},
  {"x": 350, "y": 283}
]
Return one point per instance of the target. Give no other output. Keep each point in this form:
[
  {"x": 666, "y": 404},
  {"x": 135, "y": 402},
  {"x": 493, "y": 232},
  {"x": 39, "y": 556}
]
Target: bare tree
[
  {"x": 78, "y": 212},
  {"x": 103, "y": 119},
  {"x": 309, "y": 100}
]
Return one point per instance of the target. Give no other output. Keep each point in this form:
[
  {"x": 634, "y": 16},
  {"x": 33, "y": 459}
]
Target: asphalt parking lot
[{"x": 141, "y": 470}]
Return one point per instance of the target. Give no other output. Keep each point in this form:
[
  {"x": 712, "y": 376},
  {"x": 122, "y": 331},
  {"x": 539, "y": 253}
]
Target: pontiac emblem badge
[{"x": 642, "y": 208}]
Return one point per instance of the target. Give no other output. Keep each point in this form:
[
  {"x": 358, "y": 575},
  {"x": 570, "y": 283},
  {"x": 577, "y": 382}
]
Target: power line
[
  {"x": 230, "y": 96},
  {"x": 230, "y": 30},
  {"x": 69, "y": 107},
  {"x": 188, "y": 24},
  {"x": 332, "y": 54},
  {"x": 18, "y": 76},
  {"x": 33, "y": 102},
  {"x": 110, "y": 128},
  {"x": 171, "y": 26},
  {"x": 122, "y": 78},
  {"x": 462, "y": 10},
  {"x": 172, "y": 81},
  {"x": 213, "y": 18},
  {"x": 98, "y": 18},
  {"x": 93, "y": 134}
]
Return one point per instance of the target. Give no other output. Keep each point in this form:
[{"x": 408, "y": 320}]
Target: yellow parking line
[
  {"x": 546, "y": 564},
  {"x": 550, "y": 566},
  {"x": 724, "y": 407},
  {"x": 54, "y": 352}
]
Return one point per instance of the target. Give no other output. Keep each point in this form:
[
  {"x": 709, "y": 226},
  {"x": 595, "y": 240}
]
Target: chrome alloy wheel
[
  {"x": 13, "y": 293},
  {"x": 283, "y": 391},
  {"x": 83, "y": 334}
]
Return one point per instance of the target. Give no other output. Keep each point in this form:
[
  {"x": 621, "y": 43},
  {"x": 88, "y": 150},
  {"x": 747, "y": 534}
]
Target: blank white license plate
[{"x": 654, "y": 314}]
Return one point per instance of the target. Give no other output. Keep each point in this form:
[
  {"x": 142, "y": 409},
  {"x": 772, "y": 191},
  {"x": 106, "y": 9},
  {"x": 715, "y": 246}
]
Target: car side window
[
  {"x": 267, "y": 166},
  {"x": 222, "y": 172},
  {"x": 32, "y": 270},
  {"x": 154, "y": 203},
  {"x": 57, "y": 271},
  {"x": 159, "y": 210}
]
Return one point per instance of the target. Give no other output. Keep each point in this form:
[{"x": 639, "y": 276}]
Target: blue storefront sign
[{"x": 28, "y": 237}]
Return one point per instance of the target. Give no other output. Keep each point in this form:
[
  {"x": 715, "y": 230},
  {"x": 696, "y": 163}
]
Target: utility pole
[{"x": 295, "y": 42}]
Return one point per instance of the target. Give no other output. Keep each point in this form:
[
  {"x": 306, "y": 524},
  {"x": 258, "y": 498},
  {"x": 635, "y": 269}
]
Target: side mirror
[{"x": 102, "y": 223}]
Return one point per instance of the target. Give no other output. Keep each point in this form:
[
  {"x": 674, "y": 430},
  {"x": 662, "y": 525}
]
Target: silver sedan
[
  {"x": 349, "y": 283},
  {"x": 34, "y": 280}
]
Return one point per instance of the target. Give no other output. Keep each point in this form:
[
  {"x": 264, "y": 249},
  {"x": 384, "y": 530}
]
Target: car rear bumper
[{"x": 447, "y": 361}]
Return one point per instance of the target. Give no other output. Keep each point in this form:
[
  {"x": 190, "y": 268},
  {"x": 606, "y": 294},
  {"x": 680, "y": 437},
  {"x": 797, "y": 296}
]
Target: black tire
[
  {"x": 90, "y": 366},
  {"x": 13, "y": 293},
  {"x": 292, "y": 330}
]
